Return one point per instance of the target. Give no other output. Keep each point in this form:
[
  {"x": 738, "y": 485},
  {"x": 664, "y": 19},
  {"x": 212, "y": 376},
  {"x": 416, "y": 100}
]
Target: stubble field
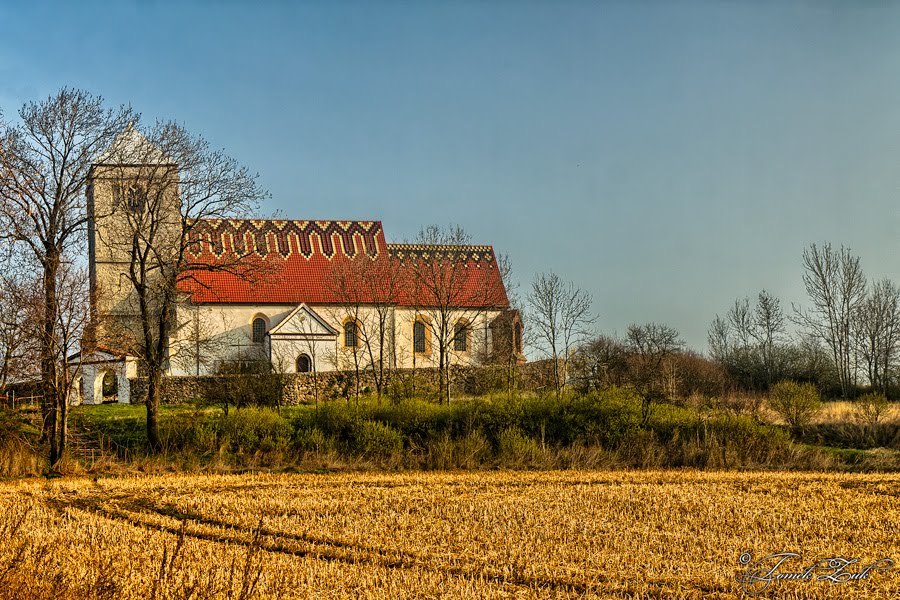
[{"x": 663, "y": 534}]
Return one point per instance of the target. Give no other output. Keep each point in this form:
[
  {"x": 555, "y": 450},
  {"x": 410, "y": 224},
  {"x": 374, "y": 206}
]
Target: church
[{"x": 331, "y": 295}]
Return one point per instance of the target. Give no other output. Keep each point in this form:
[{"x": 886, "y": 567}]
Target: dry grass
[
  {"x": 661, "y": 534},
  {"x": 845, "y": 411}
]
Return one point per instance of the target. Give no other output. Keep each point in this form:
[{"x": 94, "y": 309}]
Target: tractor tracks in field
[{"x": 142, "y": 512}]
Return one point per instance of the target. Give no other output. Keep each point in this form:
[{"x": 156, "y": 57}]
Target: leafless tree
[
  {"x": 45, "y": 161},
  {"x": 200, "y": 340},
  {"x": 758, "y": 332},
  {"x": 560, "y": 317},
  {"x": 164, "y": 185},
  {"x": 19, "y": 311},
  {"x": 877, "y": 323},
  {"x": 836, "y": 287},
  {"x": 740, "y": 317},
  {"x": 352, "y": 320},
  {"x": 72, "y": 318},
  {"x": 447, "y": 288},
  {"x": 650, "y": 346},
  {"x": 367, "y": 290},
  {"x": 720, "y": 339},
  {"x": 768, "y": 331},
  {"x": 601, "y": 362}
]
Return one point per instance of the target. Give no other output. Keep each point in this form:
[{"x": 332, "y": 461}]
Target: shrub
[
  {"x": 471, "y": 451},
  {"x": 796, "y": 403},
  {"x": 871, "y": 408},
  {"x": 245, "y": 383},
  {"x": 373, "y": 439},
  {"x": 313, "y": 439},
  {"x": 409, "y": 386},
  {"x": 252, "y": 429},
  {"x": 17, "y": 456},
  {"x": 515, "y": 449}
]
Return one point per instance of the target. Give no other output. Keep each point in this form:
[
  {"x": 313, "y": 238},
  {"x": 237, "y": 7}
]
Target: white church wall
[
  {"x": 478, "y": 342},
  {"x": 209, "y": 334}
]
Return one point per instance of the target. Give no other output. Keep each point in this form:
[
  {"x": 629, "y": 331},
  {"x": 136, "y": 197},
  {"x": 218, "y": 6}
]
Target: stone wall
[{"x": 300, "y": 388}]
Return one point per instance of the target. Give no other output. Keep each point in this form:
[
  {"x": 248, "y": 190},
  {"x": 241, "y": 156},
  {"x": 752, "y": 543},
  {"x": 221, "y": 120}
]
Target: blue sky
[{"x": 666, "y": 156}]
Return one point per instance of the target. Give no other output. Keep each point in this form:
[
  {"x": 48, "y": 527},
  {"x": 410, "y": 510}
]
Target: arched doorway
[
  {"x": 304, "y": 363},
  {"x": 106, "y": 387}
]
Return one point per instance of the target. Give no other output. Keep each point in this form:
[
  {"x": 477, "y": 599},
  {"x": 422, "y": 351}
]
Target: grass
[
  {"x": 599, "y": 430},
  {"x": 573, "y": 534}
]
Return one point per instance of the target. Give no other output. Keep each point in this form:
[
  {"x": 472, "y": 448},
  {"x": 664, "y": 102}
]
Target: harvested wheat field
[{"x": 662, "y": 534}]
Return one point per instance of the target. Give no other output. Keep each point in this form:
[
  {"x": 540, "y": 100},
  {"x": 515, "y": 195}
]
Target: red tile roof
[{"x": 289, "y": 262}]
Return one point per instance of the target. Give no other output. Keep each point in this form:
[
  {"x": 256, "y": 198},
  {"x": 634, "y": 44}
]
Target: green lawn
[{"x": 126, "y": 424}]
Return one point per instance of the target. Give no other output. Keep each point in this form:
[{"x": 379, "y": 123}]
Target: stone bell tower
[{"x": 132, "y": 204}]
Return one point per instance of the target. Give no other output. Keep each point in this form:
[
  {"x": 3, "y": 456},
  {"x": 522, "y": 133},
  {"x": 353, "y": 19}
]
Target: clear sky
[{"x": 666, "y": 156}]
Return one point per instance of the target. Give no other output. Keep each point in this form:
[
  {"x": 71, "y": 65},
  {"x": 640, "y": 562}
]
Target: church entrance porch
[{"x": 104, "y": 376}]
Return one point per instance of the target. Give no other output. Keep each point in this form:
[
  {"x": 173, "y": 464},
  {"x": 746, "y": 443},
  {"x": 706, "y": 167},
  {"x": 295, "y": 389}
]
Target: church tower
[{"x": 132, "y": 206}]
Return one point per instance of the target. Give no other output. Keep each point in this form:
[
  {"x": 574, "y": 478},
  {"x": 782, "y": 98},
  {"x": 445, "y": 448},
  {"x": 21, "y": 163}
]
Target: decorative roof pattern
[
  {"x": 265, "y": 238},
  {"x": 418, "y": 251},
  {"x": 301, "y": 260}
]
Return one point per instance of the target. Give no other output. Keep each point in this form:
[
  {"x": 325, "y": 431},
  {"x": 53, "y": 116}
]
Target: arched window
[
  {"x": 517, "y": 337},
  {"x": 259, "y": 330},
  {"x": 304, "y": 363},
  {"x": 137, "y": 199},
  {"x": 460, "y": 336},
  {"x": 419, "y": 337},
  {"x": 350, "y": 334}
]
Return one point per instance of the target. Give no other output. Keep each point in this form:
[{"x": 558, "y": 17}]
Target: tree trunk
[
  {"x": 49, "y": 376},
  {"x": 152, "y": 402},
  {"x": 441, "y": 375},
  {"x": 63, "y": 422}
]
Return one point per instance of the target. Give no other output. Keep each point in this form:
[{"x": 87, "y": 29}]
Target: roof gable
[
  {"x": 132, "y": 147},
  {"x": 303, "y": 321}
]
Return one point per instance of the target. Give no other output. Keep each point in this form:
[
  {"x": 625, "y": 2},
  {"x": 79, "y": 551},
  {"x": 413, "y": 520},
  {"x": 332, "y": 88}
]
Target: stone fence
[{"x": 299, "y": 388}]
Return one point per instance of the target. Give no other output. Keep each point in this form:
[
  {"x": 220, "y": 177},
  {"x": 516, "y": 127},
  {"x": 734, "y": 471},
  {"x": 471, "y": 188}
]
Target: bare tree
[
  {"x": 447, "y": 288},
  {"x": 560, "y": 317},
  {"x": 45, "y": 162},
  {"x": 768, "y": 331},
  {"x": 352, "y": 317},
  {"x": 19, "y": 309},
  {"x": 650, "y": 346},
  {"x": 836, "y": 286},
  {"x": 72, "y": 318},
  {"x": 163, "y": 186},
  {"x": 877, "y": 323},
  {"x": 601, "y": 362},
  {"x": 367, "y": 290},
  {"x": 720, "y": 339},
  {"x": 200, "y": 340}
]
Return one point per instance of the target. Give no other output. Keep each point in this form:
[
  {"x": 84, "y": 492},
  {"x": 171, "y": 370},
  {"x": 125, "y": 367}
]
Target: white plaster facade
[
  {"x": 92, "y": 368},
  {"x": 208, "y": 335}
]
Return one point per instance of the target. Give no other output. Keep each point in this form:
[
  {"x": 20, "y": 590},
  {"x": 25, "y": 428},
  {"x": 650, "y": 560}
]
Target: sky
[{"x": 666, "y": 157}]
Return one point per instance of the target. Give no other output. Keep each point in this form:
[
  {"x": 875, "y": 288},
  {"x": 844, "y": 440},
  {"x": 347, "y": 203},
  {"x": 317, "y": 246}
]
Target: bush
[
  {"x": 796, "y": 403},
  {"x": 254, "y": 429},
  {"x": 245, "y": 383},
  {"x": 313, "y": 439},
  {"x": 410, "y": 386},
  {"x": 515, "y": 449},
  {"x": 871, "y": 408},
  {"x": 376, "y": 440},
  {"x": 17, "y": 456}
]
